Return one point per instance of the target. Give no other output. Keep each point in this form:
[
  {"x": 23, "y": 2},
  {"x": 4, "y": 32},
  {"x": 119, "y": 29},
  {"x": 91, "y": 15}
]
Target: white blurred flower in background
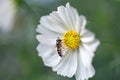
[
  {"x": 79, "y": 44},
  {"x": 7, "y": 15}
]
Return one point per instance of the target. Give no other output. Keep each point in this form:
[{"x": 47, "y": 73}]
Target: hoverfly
[{"x": 59, "y": 46}]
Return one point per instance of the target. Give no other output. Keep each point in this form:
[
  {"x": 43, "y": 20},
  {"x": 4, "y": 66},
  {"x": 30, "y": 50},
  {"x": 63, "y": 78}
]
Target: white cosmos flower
[{"x": 78, "y": 43}]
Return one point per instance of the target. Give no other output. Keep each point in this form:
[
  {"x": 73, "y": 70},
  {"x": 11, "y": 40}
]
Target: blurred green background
[{"x": 18, "y": 56}]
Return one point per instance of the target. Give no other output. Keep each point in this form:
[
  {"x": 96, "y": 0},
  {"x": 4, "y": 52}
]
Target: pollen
[{"x": 71, "y": 39}]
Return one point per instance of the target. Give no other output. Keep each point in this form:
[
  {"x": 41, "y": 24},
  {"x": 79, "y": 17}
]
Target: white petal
[
  {"x": 86, "y": 56},
  {"x": 56, "y": 19},
  {"x": 48, "y": 54},
  {"x": 44, "y": 50},
  {"x": 62, "y": 14},
  {"x": 83, "y": 22},
  {"x": 87, "y": 36},
  {"x": 89, "y": 41},
  {"x": 52, "y": 59},
  {"x": 92, "y": 46},
  {"x": 46, "y": 32},
  {"x": 48, "y": 22},
  {"x": 80, "y": 23},
  {"x": 68, "y": 15},
  {"x": 71, "y": 18},
  {"x": 83, "y": 72},
  {"x": 68, "y": 65},
  {"x": 45, "y": 40},
  {"x": 72, "y": 15}
]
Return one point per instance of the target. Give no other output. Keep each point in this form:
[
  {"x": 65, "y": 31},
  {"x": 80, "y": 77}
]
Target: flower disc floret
[{"x": 71, "y": 39}]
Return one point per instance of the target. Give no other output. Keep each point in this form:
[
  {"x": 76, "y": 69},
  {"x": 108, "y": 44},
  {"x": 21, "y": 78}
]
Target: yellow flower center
[{"x": 71, "y": 39}]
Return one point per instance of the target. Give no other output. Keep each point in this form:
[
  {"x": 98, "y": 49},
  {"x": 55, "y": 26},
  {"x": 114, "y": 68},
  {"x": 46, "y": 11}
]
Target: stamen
[{"x": 71, "y": 39}]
